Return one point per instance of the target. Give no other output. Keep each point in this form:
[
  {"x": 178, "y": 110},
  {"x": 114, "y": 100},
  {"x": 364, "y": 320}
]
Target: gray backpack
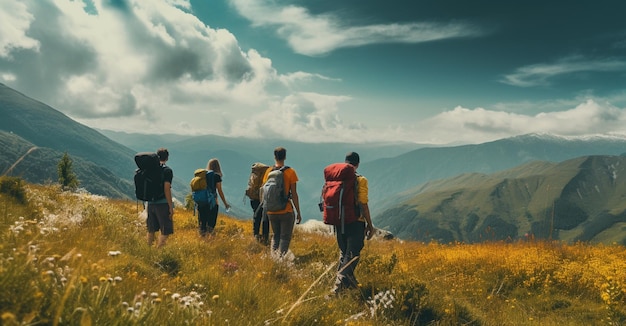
[{"x": 273, "y": 191}]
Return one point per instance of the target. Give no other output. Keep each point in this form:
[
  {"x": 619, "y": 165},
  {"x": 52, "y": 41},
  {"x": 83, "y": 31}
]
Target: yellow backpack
[
  {"x": 198, "y": 182},
  {"x": 201, "y": 193}
]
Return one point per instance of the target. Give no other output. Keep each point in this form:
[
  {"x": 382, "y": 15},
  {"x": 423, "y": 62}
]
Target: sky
[{"x": 430, "y": 72}]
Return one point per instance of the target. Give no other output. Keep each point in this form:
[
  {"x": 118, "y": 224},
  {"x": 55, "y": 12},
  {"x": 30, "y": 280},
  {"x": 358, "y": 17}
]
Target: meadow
[{"x": 77, "y": 259}]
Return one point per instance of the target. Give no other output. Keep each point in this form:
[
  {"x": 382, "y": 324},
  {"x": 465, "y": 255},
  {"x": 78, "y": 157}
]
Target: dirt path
[{"x": 19, "y": 160}]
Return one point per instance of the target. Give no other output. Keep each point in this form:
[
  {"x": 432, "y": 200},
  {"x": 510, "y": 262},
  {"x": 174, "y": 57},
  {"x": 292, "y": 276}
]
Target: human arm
[
  {"x": 296, "y": 202},
  {"x": 218, "y": 186},
  {"x": 369, "y": 228},
  {"x": 365, "y": 210},
  {"x": 167, "y": 188},
  {"x": 168, "y": 176}
]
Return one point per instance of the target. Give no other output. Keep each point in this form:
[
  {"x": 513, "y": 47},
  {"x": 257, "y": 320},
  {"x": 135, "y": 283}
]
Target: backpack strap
[
  {"x": 357, "y": 204},
  {"x": 282, "y": 168},
  {"x": 210, "y": 181}
]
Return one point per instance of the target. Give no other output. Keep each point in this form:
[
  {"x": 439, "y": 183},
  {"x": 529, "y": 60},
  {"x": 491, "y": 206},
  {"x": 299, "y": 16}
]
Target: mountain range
[
  {"x": 418, "y": 192},
  {"x": 580, "y": 199}
]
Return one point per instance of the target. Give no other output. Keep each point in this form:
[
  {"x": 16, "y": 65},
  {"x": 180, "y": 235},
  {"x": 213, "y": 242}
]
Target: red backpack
[{"x": 339, "y": 195}]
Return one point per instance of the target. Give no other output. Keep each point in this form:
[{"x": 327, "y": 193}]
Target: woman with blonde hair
[{"x": 207, "y": 218}]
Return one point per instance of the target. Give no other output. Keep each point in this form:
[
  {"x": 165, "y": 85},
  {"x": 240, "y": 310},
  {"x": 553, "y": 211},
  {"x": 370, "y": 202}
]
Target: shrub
[{"x": 13, "y": 187}]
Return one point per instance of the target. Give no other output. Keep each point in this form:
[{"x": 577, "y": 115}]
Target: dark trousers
[
  {"x": 350, "y": 244},
  {"x": 260, "y": 226},
  {"x": 207, "y": 218}
]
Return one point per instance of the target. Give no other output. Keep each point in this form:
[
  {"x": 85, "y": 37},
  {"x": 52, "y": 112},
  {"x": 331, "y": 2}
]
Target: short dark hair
[
  {"x": 163, "y": 154},
  {"x": 352, "y": 158},
  {"x": 280, "y": 153}
]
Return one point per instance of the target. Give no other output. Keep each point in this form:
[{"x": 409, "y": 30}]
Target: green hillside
[
  {"x": 44, "y": 126},
  {"x": 103, "y": 166},
  {"x": 393, "y": 175},
  {"x": 39, "y": 165},
  {"x": 577, "y": 200}
]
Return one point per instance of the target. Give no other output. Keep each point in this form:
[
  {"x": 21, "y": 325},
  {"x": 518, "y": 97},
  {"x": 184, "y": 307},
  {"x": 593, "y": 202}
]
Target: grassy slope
[{"x": 78, "y": 259}]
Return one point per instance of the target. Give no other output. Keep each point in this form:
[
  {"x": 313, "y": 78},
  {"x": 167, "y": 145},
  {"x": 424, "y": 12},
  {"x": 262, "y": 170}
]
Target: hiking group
[{"x": 274, "y": 200}]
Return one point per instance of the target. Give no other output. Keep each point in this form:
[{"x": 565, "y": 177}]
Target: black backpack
[{"x": 149, "y": 177}]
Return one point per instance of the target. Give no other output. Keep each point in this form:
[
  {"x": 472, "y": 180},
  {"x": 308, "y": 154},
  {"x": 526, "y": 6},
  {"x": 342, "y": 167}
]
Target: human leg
[
  {"x": 212, "y": 218},
  {"x": 354, "y": 245},
  {"x": 256, "y": 217},
  {"x": 282, "y": 226},
  {"x": 276, "y": 225},
  {"x": 265, "y": 228},
  {"x": 152, "y": 224},
  {"x": 350, "y": 244},
  {"x": 150, "y": 238},
  {"x": 162, "y": 212},
  {"x": 203, "y": 219}
]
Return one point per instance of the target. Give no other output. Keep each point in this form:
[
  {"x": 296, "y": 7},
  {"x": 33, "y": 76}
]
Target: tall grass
[{"x": 72, "y": 259}]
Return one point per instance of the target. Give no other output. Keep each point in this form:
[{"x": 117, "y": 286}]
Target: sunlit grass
[{"x": 70, "y": 258}]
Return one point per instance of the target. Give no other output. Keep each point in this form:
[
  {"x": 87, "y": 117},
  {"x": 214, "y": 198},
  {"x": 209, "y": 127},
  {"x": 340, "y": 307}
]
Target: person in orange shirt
[{"x": 282, "y": 221}]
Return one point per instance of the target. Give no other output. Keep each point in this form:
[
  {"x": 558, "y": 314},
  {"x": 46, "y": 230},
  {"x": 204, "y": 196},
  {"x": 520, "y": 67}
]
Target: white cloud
[
  {"x": 299, "y": 76},
  {"x": 154, "y": 67},
  {"x": 134, "y": 61},
  {"x": 541, "y": 74},
  {"x": 310, "y": 34},
  {"x": 301, "y": 116},
  {"x": 14, "y": 23},
  {"x": 480, "y": 125}
]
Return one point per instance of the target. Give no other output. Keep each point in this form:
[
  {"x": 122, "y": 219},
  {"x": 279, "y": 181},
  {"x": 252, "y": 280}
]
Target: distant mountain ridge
[
  {"x": 393, "y": 175},
  {"x": 44, "y": 126},
  {"x": 101, "y": 164},
  {"x": 581, "y": 199}
]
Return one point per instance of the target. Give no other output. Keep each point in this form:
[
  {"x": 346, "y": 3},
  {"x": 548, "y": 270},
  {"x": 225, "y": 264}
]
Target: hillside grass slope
[
  {"x": 581, "y": 199},
  {"x": 78, "y": 259},
  {"x": 36, "y": 164}
]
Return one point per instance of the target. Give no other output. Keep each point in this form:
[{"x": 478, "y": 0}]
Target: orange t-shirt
[{"x": 290, "y": 178}]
